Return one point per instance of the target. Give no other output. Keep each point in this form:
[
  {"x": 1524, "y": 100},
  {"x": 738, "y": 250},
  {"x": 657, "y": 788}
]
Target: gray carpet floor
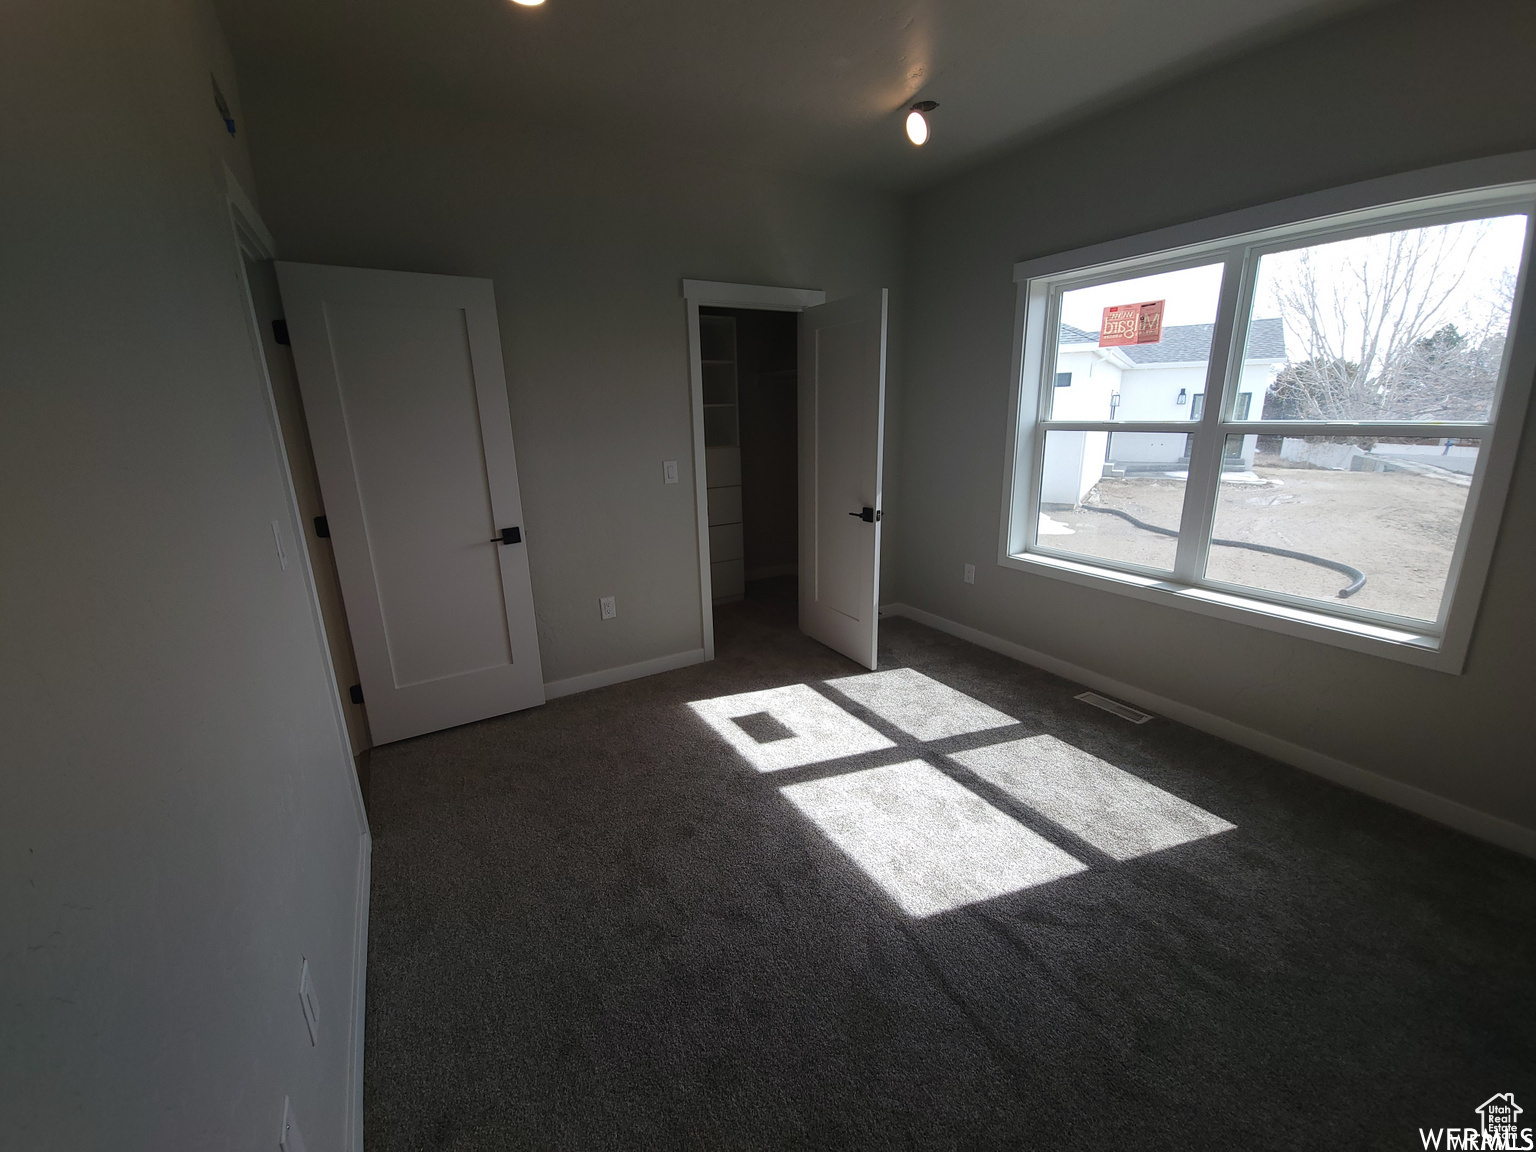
[{"x": 595, "y": 925}]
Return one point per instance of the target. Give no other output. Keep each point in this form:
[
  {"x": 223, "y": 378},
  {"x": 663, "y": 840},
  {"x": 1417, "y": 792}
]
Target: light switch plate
[
  {"x": 669, "y": 471},
  {"x": 309, "y": 1003}
]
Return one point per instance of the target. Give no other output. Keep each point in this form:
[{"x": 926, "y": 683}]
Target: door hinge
[
  {"x": 356, "y": 692},
  {"x": 280, "y": 330},
  {"x": 322, "y": 527}
]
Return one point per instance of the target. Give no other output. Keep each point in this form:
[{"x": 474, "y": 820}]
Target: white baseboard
[
  {"x": 354, "y": 1130},
  {"x": 607, "y": 676},
  {"x": 1494, "y": 829},
  {"x": 770, "y": 573}
]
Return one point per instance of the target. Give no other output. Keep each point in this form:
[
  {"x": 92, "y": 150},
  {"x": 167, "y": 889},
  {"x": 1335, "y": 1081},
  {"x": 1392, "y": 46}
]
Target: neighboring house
[{"x": 1164, "y": 382}]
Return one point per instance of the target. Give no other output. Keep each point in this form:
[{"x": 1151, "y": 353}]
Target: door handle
[
  {"x": 509, "y": 536},
  {"x": 868, "y": 515}
]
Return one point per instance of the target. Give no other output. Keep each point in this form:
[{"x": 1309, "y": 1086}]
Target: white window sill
[{"x": 1425, "y": 649}]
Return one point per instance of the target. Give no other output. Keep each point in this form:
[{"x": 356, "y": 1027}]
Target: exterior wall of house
[
  {"x": 1153, "y": 393},
  {"x": 1093, "y": 380},
  {"x": 1074, "y": 463},
  {"x": 1146, "y": 393}
]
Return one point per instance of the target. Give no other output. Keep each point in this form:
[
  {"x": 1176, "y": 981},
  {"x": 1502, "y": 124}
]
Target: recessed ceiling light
[
  {"x": 917, "y": 123},
  {"x": 528, "y": 3}
]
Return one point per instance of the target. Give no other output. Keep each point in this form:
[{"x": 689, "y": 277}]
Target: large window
[{"x": 1291, "y": 425}]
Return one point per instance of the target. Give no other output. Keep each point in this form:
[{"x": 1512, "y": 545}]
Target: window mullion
[
  {"x": 1405, "y": 428},
  {"x": 1205, "y": 455}
]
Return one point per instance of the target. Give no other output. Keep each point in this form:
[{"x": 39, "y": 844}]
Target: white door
[
  {"x": 406, "y": 400},
  {"x": 842, "y": 429}
]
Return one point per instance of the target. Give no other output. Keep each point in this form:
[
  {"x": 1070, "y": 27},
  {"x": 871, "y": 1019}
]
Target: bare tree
[{"x": 1372, "y": 336}]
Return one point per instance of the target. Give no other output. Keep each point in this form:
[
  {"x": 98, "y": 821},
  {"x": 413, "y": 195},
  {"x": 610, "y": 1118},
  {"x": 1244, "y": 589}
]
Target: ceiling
[{"x": 805, "y": 85}]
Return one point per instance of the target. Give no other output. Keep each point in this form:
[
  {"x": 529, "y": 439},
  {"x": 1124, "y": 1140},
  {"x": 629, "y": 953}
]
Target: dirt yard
[{"x": 1396, "y": 527}]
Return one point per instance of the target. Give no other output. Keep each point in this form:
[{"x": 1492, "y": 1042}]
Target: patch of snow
[{"x": 1049, "y": 527}]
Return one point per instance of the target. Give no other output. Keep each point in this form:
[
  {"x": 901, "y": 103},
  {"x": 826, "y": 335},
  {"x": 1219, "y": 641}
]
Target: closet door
[{"x": 842, "y": 423}]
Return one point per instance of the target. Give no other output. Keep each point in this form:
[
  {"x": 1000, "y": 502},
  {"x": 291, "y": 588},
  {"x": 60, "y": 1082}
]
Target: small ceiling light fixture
[
  {"x": 528, "y": 3},
  {"x": 917, "y": 123}
]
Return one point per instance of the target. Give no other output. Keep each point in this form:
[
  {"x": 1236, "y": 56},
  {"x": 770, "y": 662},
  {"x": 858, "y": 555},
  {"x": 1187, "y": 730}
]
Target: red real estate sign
[{"x": 1132, "y": 324}]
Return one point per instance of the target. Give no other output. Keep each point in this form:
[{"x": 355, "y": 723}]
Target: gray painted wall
[
  {"x": 587, "y": 245},
  {"x": 1389, "y": 90},
  {"x": 177, "y": 817}
]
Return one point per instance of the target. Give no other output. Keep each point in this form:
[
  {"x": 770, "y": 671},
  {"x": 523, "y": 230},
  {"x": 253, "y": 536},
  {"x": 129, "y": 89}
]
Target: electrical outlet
[
  {"x": 290, "y": 1140},
  {"x": 608, "y": 607},
  {"x": 309, "y": 1003},
  {"x": 970, "y": 573},
  {"x": 669, "y": 471}
]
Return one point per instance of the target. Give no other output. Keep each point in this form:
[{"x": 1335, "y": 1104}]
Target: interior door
[
  {"x": 842, "y": 430},
  {"x": 406, "y": 400}
]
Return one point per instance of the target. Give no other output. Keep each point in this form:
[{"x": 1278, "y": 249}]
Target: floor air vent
[{"x": 1124, "y": 711}]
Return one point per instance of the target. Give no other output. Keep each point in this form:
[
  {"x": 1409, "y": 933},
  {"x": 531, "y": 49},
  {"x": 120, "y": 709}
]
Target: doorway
[
  {"x": 748, "y": 364},
  {"x": 838, "y": 372},
  {"x": 717, "y": 428}
]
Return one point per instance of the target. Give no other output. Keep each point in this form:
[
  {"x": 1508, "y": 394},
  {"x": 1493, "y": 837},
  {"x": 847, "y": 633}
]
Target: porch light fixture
[
  {"x": 1183, "y": 396},
  {"x": 917, "y": 123}
]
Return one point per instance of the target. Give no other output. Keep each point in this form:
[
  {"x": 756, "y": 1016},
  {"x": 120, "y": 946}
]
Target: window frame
[{"x": 1454, "y": 192}]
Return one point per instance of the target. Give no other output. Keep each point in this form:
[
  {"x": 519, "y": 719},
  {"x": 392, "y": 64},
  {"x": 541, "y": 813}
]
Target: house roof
[{"x": 1184, "y": 342}]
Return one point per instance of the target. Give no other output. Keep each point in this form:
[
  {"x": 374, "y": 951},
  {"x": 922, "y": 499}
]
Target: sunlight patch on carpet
[
  {"x": 919, "y": 705},
  {"x": 928, "y": 842},
  {"x": 754, "y": 723},
  {"x": 1119, "y": 814}
]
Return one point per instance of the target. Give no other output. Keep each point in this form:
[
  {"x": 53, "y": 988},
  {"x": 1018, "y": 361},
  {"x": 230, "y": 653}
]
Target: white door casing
[
  {"x": 405, "y": 395},
  {"x": 842, "y": 432},
  {"x": 720, "y": 294}
]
